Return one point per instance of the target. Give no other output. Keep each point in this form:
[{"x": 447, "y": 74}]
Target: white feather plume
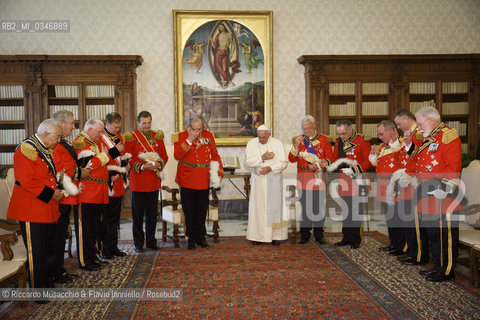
[
  {"x": 404, "y": 180},
  {"x": 126, "y": 156},
  {"x": 117, "y": 169},
  {"x": 151, "y": 157},
  {"x": 68, "y": 186},
  {"x": 214, "y": 178},
  {"x": 334, "y": 166}
]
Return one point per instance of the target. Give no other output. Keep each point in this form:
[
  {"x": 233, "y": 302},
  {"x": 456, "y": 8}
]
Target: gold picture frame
[{"x": 223, "y": 72}]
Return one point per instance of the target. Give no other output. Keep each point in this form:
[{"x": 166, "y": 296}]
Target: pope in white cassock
[{"x": 267, "y": 221}]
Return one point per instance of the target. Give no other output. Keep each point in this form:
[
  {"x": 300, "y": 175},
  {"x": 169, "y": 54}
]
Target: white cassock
[{"x": 267, "y": 220}]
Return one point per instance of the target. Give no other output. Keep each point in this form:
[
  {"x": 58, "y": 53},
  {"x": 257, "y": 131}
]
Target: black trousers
[
  {"x": 144, "y": 204},
  {"x": 195, "y": 207},
  {"x": 110, "y": 224},
  {"x": 396, "y": 232},
  {"x": 39, "y": 239},
  {"x": 61, "y": 234},
  {"x": 88, "y": 223},
  {"x": 313, "y": 213},
  {"x": 415, "y": 233},
  {"x": 443, "y": 241},
  {"x": 352, "y": 221}
]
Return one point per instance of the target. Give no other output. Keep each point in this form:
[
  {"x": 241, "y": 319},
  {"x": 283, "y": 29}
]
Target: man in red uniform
[
  {"x": 65, "y": 160},
  {"x": 351, "y": 146},
  {"x": 35, "y": 199},
  {"x": 149, "y": 157},
  {"x": 415, "y": 235},
  {"x": 388, "y": 158},
  {"x": 116, "y": 169},
  {"x": 438, "y": 165},
  {"x": 312, "y": 188},
  {"x": 196, "y": 151},
  {"x": 94, "y": 195}
]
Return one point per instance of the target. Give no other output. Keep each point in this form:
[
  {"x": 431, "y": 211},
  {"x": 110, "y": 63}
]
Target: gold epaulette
[
  {"x": 159, "y": 135},
  {"x": 128, "y": 136},
  {"x": 419, "y": 136},
  {"x": 79, "y": 143},
  {"x": 449, "y": 134},
  {"x": 293, "y": 139},
  {"x": 29, "y": 151},
  {"x": 174, "y": 137}
]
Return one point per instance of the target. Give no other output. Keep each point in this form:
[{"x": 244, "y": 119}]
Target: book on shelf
[
  {"x": 99, "y": 111},
  {"x": 454, "y": 87},
  {"x": 464, "y": 147},
  {"x": 12, "y": 136},
  {"x": 71, "y": 108},
  {"x": 66, "y": 91},
  {"x": 12, "y": 113},
  {"x": 375, "y": 88},
  {"x": 375, "y": 108},
  {"x": 346, "y": 109},
  {"x": 454, "y": 108},
  {"x": 6, "y": 158},
  {"x": 230, "y": 162},
  {"x": 415, "y": 106},
  {"x": 99, "y": 91},
  {"x": 341, "y": 88},
  {"x": 11, "y": 92},
  {"x": 369, "y": 130},
  {"x": 422, "y": 87},
  {"x": 461, "y": 127}
]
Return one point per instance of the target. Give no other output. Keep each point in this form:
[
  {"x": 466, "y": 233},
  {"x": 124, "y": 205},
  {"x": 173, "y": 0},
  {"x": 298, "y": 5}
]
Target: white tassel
[
  {"x": 68, "y": 186},
  {"x": 214, "y": 177},
  {"x": 334, "y": 166}
]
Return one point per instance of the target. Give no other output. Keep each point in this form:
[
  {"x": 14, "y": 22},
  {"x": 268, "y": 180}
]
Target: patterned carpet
[{"x": 234, "y": 279}]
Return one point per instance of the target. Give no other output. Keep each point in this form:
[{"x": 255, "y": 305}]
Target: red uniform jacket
[
  {"x": 193, "y": 169},
  {"x": 118, "y": 186},
  {"x": 355, "y": 148},
  {"x": 438, "y": 157},
  {"x": 389, "y": 160},
  {"x": 64, "y": 160},
  {"x": 34, "y": 187},
  {"x": 145, "y": 180},
  {"x": 94, "y": 187},
  {"x": 306, "y": 177}
]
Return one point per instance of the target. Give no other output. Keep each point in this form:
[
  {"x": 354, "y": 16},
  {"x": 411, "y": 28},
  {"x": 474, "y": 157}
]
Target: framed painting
[{"x": 223, "y": 72}]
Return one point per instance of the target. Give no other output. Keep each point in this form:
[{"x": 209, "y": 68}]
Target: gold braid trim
[
  {"x": 159, "y": 135},
  {"x": 29, "y": 151},
  {"x": 449, "y": 135}
]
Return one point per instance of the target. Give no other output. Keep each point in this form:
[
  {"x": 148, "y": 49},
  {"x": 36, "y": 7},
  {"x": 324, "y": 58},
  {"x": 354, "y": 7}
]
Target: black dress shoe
[
  {"x": 396, "y": 253},
  {"x": 428, "y": 272},
  {"x": 275, "y": 243},
  {"x": 439, "y": 277},
  {"x": 203, "y": 243},
  {"x": 191, "y": 245},
  {"x": 70, "y": 275},
  {"x": 386, "y": 248},
  {"x": 320, "y": 241},
  {"x": 119, "y": 253},
  {"x": 138, "y": 249},
  {"x": 403, "y": 258},
  {"x": 257, "y": 243},
  {"x": 107, "y": 256},
  {"x": 412, "y": 262},
  {"x": 355, "y": 245},
  {"x": 62, "y": 279},
  {"x": 341, "y": 243},
  {"x": 90, "y": 267},
  {"x": 154, "y": 247},
  {"x": 303, "y": 241},
  {"x": 101, "y": 263}
]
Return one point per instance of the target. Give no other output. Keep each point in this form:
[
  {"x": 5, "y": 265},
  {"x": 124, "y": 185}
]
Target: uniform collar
[{"x": 315, "y": 136}]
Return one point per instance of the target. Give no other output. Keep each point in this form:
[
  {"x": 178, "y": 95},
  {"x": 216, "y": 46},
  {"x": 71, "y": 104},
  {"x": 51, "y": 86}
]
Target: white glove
[
  {"x": 348, "y": 172},
  {"x": 373, "y": 159}
]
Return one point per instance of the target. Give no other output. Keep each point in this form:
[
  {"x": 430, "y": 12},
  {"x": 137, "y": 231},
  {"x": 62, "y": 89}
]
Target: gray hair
[
  {"x": 387, "y": 124},
  {"x": 308, "y": 118},
  {"x": 346, "y": 123},
  {"x": 62, "y": 115},
  {"x": 92, "y": 123},
  {"x": 47, "y": 126},
  {"x": 429, "y": 113}
]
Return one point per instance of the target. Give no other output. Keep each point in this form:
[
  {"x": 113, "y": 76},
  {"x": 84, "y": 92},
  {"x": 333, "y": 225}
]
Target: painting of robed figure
[{"x": 223, "y": 72}]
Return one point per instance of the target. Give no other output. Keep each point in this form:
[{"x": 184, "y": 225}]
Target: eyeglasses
[{"x": 57, "y": 137}]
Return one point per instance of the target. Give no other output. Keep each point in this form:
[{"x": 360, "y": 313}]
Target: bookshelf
[
  {"x": 369, "y": 88},
  {"x": 12, "y": 121}
]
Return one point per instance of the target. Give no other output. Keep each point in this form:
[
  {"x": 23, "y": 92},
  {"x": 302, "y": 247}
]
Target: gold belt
[
  {"x": 195, "y": 165},
  {"x": 95, "y": 180}
]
